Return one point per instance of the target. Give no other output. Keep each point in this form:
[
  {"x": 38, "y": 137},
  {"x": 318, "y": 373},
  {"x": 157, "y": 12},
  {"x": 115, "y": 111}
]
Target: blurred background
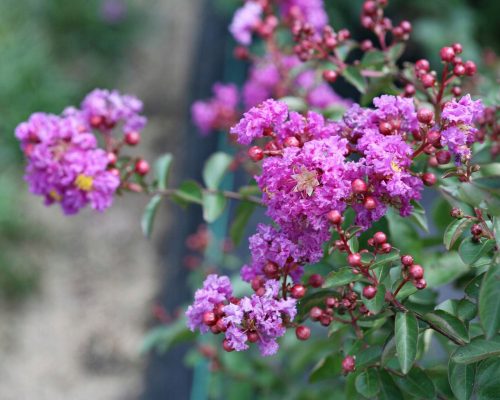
[{"x": 78, "y": 294}]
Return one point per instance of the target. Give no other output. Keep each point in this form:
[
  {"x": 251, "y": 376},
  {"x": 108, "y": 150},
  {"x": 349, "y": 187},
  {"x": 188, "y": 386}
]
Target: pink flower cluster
[
  {"x": 260, "y": 318},
  {"x": 459, "y": 131},
  {"x": 65, "y": 163}
]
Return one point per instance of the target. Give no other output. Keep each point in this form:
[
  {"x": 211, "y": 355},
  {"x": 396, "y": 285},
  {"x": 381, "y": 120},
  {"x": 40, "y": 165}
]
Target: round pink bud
[
  {"x": 315, "y": 313},
  {"x": 302, "y": 332},
  {"x": 209, "y": 318},
  {"x": 112, "y": 158},
  {"x": 443, "y": 157},
  {"x": 416, "y": 271},
  {"x": 429, "y": 179},
  {"x": 330, "y": 75},
  {"x": 366, "y": 45},
  {"x": 253, "y": 337},
  {"x": 256, "y": 283},
  {"x": 270, "y": 269},
  {"x": 370, "y": 7},
  {"x": 316, "y": 280},
  {"x": 457, "y": 90},
  {"x": 459, "y": 70},
  {"x": 255, "y": 153},
  {"x": 354, "y": 259},
  {"x": 457, "y": 48},
  {"x": 409, "y": 90},
  {"x": 132, "y": 138},
  {"x": 422, "y": 65},
  {"x": 141, "y": 167},
  {"x": 421, "y": 284},
  {"x": 406, "y": 26},
  {"x": 379, "y": 238},
  {"x": 434, "y": 137},
  {"x": 385, "y": 128},
  {"x": 325, "y": 320},
  {"x": 291, "y": 141},
  {"x": 370, "y": 203},
  {"x": 369, "y": 292},
  {"x": 348, "y": 364},
  {"x": 386, "y": 248},
  {"x": 432, "y": 161},
  {"x": 428, "y": 80},
  {"x": 335, "y": 217},
  {"x": 298, "y": 291},
  {"x": 407, "y": 260},
  {"x": 447, "y": 54},
  {"x": 226, "y": 346},
  {"x": 398, "y": 31},
  {"x": 331, "y": 302},
  {"x": 425, "y": 115},
  {"x": 470, "y": 68},
  {"x": 359, "y": 186}
]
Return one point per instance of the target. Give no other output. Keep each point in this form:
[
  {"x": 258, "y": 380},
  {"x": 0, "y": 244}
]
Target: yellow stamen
[
  {"x": 395, "y": 166},
  {"x": 84, "y": 182},
  {"x": 54, "y": 195},
  {"x": 306, "y": 181}
]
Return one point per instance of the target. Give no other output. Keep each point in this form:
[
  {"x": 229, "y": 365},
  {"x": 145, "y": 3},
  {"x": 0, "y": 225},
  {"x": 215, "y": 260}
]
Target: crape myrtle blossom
[
  {"x": 104, "y": 110},
  {"x": 309, "y": 11},
  {"x": 257, "y": 319},
  {"x": 459, "y": 132},
  {"x": 244, "y": 22},
  {"x": 219, "y": 112},
  {"x": 64, "y": 164}
]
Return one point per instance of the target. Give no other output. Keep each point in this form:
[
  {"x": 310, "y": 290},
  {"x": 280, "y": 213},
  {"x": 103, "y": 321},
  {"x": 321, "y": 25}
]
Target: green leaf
[
  {"x": 384, "y": 259},
  {"x": 243, "y": 213},
  {"x": 341, "y": 277},
  {"x": 461, "y": 377},
  {"x": 388, "y": 389},
  {"x": 488, "y": 380},
  {"x": 215, "y": 168},
  {"x": 213, "y": 206},
  {"x": 162, "y": 170},
  {"x": 396, "y": 51},
  {"x": 418, "y": 216},
  {"x": 189, "y": 192},
  {"x": 470, "y": 252},
  {"x": 450, "y": 324},
  {"x": 164, "y": 337},
  {"x": 444, "y": 269},
  {"x": 455, "y": 230},
  {"x": 354, "y": 77},
  {"x": 473, "y": 287},
  {"x": 417, "y": 383},
  {"x": 367, "y": 383},
  {"x": 373, "y": 60},
  {"x": 149, "y": 215},
  {"x": 376, "y": 304},
  {"x": 406, "y": 333},
  {"x": 478, "y": 349},
  {"x": 326, "y": 368},
  {"x": 489, "y": 301},
  {"x": 368, "y": 356}
]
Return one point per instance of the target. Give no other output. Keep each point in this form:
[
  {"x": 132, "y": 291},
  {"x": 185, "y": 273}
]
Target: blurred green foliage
[{"x": 52, "y": 52}]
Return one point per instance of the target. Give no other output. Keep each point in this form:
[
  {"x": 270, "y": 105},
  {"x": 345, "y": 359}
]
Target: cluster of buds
[
  {"x": 413, "y": 272},
  {"x": 450, "y": 56},
  {"x": 373, "y": 18},
  {"x": 311, "y": 44},
  {"x": 361, "y": 194},
  {"x": 490, "y": 128}
]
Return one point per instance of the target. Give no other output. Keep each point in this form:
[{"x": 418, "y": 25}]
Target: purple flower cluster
[
  {"x": 220, "y": 112},
  {"x": 104, "y": 110},
  {"x": 64, "y": 164},
  {"x": 310, "y": 11},
  {"x": 215, "y": 290},
  {"x": 459, "y": 131},
  {"x": 245, "y": 20}
]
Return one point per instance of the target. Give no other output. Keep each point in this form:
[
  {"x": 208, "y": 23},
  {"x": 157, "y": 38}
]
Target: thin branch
[{"x": 226, "y": 193}]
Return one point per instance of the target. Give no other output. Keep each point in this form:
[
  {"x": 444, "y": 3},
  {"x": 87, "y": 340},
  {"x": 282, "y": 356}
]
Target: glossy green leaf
[
  {"x": 189, "y": 192},
  {"x": 478, "y": 349},
  {"x": 470, "y": 252},
  {"x": 419, "y": 217},
  {"x": 148, "y": 216},
  {"x": 450, "y": 324},
  {"x": 489, "y": 301},
  {"x": 376, "y": 304},
  {"x": 354, "y": 77},
  {"x": 455, "y": 230},
  {"x": 326, "y": 368},
  {"x": 396, "y": 50},
  {"x": 488, "y": 380},
  {"x": 243, "y": 213},
  {"x": 341, "y": 277},
  {"x": 384, "y": 259},
  {"x": 388, "y": 388},
  {"x": 418, "y": 384},
  {"x": 162, "y": 170},
  {"x": 373, "y": 60},
  {"x": 215, "y": 168},
  {"x": 367, "y": 383},
  {"x": 368, "y": 356},
  {"x": 406, "y": 334},
  {"x": 472, "y": 288},
  {"x": 461, "y": 377},
  {"x": 444, "y": 269},
  {"x": 213, "y": 206}
]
